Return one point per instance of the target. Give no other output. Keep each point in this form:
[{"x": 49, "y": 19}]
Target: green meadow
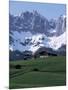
[{"x": 39, "y": 72}]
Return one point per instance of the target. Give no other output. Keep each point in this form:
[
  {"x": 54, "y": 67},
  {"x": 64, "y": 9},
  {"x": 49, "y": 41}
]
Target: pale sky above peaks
[{"x": 48, "y": 10}]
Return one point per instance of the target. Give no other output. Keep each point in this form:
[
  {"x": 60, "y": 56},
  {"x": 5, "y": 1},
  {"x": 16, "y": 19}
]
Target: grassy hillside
[{"x": 40, "y": 72}]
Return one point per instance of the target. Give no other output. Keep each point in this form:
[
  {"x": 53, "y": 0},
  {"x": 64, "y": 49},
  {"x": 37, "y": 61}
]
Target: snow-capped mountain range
[{"x": 30, "y": 31}]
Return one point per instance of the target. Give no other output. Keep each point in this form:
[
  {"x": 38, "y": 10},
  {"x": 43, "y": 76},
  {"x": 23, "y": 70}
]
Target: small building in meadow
[{"x": 44, "y": 52}]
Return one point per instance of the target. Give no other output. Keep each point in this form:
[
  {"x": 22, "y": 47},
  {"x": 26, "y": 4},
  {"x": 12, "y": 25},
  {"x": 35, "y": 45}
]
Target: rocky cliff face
[{"x": 30, "y": 31}]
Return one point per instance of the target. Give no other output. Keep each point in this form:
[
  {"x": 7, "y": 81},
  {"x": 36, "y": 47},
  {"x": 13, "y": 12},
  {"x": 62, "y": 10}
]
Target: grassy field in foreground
[{"x": 40, "y": 72}]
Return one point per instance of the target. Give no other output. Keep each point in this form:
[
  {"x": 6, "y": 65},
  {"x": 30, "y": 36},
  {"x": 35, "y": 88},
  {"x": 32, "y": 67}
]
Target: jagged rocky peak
[
  {"x": 30, "y": 31},
  {"x": 61, "y": 25},
  {"x": 36, "y": 23},
  {"x": 29, "y": 21}
]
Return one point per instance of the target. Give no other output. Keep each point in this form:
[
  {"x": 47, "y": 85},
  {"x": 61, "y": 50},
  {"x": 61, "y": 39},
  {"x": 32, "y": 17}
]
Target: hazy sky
[{"x": 45, "y": 9}]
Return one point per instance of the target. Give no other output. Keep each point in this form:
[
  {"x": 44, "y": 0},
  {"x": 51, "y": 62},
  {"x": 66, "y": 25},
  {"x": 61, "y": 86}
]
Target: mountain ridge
[{"x": 30, "y": 31}]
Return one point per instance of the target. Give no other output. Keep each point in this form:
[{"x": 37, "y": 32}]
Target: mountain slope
[{"x": 30, "y": 31}]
